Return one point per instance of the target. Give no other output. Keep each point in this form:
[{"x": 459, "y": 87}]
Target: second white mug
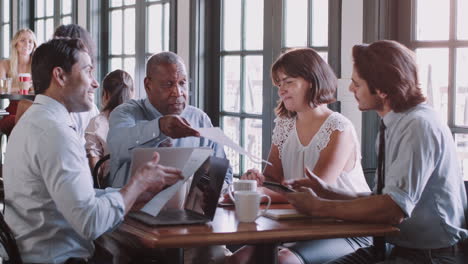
[{"x": 242, "y": 185}]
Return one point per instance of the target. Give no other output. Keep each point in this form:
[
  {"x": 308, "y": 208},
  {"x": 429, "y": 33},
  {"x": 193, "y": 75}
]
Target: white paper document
[
  {"x": 215, "y": 134},
  {"x": 186, "y": 159}
]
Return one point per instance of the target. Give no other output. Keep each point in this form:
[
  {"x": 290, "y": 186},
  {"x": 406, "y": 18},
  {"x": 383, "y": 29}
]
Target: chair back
[
  {"x": 466, "y": 212},
  {"x": 97, "y": 167},
  {"x": 9, "y": 243}
]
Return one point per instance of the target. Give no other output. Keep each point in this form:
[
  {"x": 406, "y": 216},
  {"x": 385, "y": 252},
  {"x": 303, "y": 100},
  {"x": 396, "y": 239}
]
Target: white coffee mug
[
  {"x": 248, "y": 205},
  {"x": 242, "y": 185}
]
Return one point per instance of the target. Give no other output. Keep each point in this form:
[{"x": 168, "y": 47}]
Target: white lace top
[{"x": 295, "y": 157}]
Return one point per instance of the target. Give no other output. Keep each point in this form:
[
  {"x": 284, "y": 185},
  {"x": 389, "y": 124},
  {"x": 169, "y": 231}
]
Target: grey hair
[{"x": 165, "y": 57}]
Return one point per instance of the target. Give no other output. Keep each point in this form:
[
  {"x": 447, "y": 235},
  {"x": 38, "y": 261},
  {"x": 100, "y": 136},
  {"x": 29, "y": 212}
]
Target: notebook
[
  {"x": 202, "y": 199},
  {"x": 279, "y": 214}
]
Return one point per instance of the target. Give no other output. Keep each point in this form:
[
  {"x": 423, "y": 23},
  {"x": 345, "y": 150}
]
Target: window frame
[
  {"x": 103, "y": 33},
  {"x": 407, "y": 36},
  {"x": 205, "y": 70},
  {"x": 2, "y": 24},
  {"x": 56, "y": 16}
]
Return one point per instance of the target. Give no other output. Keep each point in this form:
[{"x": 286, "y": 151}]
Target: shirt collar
[
  {"x": 151, "y": 108},
  {"x": 56, "y": 107},
  {"x": 391, "y": 118}
]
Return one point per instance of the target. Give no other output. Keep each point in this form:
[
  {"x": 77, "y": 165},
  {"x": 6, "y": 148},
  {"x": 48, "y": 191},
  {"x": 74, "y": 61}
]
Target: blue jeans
[
  {"x": 323, "y": 250},
  {"x": 399, "y": 255}
]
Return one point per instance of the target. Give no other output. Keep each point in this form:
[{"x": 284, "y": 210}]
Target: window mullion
[
  {"x": 74, "y": 12},
  {"x": 242, "y": 85},
  {"x": 309, "y": 23},
  {"x": 57, "y": 14},
  {"x": 242, "y": 143},
  {"x": 140, "y": 46},
  {"x": 452, "y": 66},
  {"x": 2, "y": 24},
  {"x": 243, "y": 25}
]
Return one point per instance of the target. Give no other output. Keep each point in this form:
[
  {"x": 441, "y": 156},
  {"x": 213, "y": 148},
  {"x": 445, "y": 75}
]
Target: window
[
  {"x": 5, "y": 27},
  {"x": 246, "y": 50},
  {"x": 441, "y": 47},
  {"x": 129, "y": 22},
  {"x": 241, "y": 59},
  {"x": 48, "y": 14},
  {"x": 314, "y": 15}
]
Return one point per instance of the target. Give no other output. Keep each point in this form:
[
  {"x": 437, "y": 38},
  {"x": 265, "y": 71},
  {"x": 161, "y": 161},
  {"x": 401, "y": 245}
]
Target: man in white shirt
[{"x": 51, "y": 206}]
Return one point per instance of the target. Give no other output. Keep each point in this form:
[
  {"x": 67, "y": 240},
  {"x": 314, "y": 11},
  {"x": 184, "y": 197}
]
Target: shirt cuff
[
  {"x": 401, "y": 198},
  {"x": 100, "y": 192},
  {"x": 116, "y": 199}
]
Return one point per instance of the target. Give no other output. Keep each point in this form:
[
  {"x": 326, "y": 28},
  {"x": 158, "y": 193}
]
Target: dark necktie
[
  {"x": 379, "y": 242},
  {"x": 381, "y": 159}
]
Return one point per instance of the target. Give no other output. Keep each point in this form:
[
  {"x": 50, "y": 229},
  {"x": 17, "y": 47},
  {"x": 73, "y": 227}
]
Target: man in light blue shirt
[
  {"x": 423, "y": 192},
  {"x": 162, "y": 119},
  {"x": 51, "y": 206}
]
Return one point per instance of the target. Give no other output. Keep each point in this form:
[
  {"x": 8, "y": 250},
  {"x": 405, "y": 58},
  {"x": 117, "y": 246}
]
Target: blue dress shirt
[
  {"x": 136, "y": 124},
  {"x": 424, "y": 179},
  {"x": 51, "y": 205}
]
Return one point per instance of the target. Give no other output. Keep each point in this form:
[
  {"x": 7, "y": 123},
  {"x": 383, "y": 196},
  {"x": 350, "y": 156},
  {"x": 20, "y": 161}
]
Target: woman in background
[
  {"x": 81, "y": 119},
  {"x": 117, "y": 87},
  {"x": 23, "y": 45}
]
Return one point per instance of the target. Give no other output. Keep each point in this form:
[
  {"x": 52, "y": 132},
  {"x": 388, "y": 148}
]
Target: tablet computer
[{"x": 274, "y": 186}]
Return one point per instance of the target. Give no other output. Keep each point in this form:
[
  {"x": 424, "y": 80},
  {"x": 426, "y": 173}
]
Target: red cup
[{"x": 25, "y": 80}]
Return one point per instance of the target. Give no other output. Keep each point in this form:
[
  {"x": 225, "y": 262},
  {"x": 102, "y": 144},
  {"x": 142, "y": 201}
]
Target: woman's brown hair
[
  {"x": 118, "y": 86},
  {"x": 307, "y": 64},
  {"x": 391, "y": 68}
]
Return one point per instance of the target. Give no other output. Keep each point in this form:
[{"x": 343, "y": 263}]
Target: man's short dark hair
[
  {"x": 391, "y": 68},
  {"x": 162, "y": 58},
  {"x": 60, "y": 52},
  {"x": 307, "y": 64}
]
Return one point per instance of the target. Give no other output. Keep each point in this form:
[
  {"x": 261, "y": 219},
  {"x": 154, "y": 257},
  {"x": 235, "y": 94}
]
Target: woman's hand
[
  {"x": 254, "y": 174},
  {"x": 298, "y": 183},
  {"x": 312, "y": 181}
]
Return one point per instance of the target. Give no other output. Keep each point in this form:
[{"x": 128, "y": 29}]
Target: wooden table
[
  {"x": 136, "y": 239},
  {"x": 17, "y": 97}
]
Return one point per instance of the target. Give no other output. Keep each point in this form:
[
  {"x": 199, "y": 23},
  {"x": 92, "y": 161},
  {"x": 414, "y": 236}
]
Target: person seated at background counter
[
  {"x": 419, "y": 185},
  {"x": 50, "y": 204},
  {"x": 23, "y": 45}
]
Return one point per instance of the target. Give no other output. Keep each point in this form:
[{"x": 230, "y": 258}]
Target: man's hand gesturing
[
  {"x": 155, "y": 176},
  {"x": 175, "y": 126}
]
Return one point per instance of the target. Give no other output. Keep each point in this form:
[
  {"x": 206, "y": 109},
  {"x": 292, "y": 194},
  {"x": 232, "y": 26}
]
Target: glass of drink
[{"x": 5, "y": 85}]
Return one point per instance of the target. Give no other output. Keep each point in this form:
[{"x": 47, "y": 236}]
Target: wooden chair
[
  {"x": 96, "y": 171},
  {"x": 9, "y": 243},
  {"x": 463, "y": 258}
]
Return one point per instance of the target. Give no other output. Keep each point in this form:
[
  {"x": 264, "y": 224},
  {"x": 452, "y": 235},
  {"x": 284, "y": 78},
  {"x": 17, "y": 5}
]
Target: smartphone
[{"x": 274, "y": 186}]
